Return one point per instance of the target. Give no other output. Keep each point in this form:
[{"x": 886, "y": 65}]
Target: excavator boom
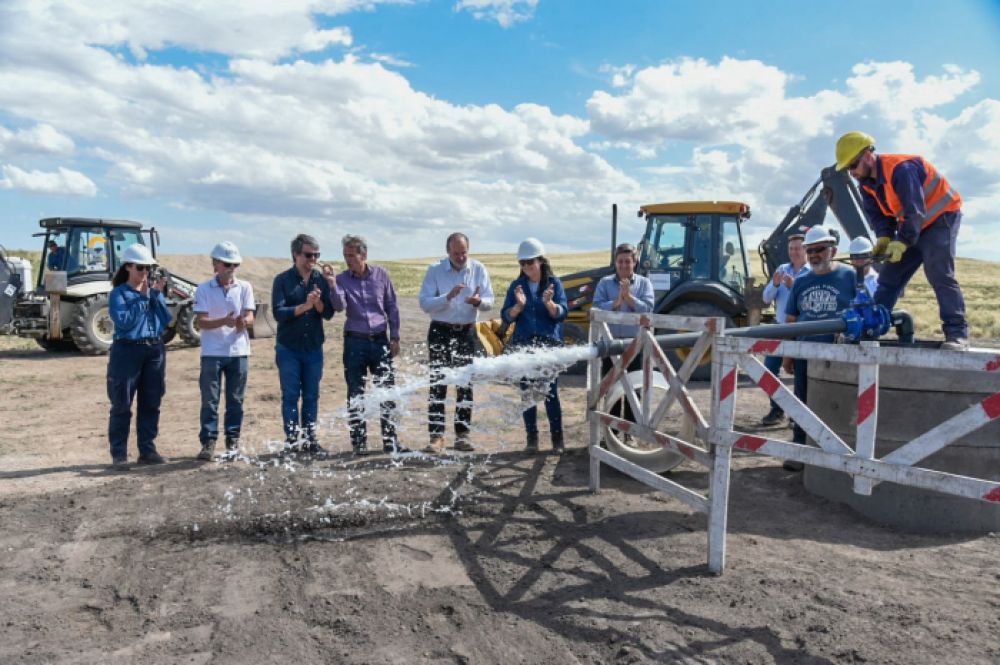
[{"x": 834, "y": 190}]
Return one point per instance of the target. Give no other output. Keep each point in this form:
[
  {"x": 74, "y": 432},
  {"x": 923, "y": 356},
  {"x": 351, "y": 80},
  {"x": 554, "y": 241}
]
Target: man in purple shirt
[{"x": 371, "y": 339}]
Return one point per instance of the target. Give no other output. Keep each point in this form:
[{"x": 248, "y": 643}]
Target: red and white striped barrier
[{"x": 712, "y": 442}]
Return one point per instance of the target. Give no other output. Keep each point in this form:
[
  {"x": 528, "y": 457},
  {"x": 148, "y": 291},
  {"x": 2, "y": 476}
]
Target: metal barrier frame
[{"x": 730, "y": 355}]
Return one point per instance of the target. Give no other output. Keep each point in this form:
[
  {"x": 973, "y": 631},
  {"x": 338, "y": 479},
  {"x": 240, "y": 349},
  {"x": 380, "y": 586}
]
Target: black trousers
[{"x": 449, "y": 346}]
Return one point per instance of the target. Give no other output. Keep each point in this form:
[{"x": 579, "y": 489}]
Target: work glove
[
  {"x": 881, "y": 244},
  {"x": 894, "y": 250}
]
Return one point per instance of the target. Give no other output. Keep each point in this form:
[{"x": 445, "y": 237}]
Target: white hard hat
[
  {"x": 818, "y": 234},
  {"x": 860, "y": 245},
  {"x": 138, "y": 254},
  {"x": 227, "y": 251},
  {"x": 530, "y": 248}
]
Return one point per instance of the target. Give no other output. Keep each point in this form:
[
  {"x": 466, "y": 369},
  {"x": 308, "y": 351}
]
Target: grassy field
[{"x": 979, "y": 280}]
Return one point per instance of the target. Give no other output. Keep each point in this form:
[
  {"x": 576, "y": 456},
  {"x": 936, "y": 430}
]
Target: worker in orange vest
[{"x": 915, "y": 215}]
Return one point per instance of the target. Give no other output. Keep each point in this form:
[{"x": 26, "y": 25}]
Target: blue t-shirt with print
[{"x": 819, "y": 297}]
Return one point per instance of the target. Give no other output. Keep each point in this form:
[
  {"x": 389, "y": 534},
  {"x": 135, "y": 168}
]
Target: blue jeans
[
  {"x": 935, "y": 249},
  {"x": 213, "y": 368},
  {"x": 299, "y": 373},
  {"x": 553, "y": 409},
  {"x": 773, "y": 365},
  {"x": 135, "y": 369},
  {"x": 361, "y": 356}
]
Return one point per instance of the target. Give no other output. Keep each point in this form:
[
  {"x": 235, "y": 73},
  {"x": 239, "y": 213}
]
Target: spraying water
[{"x": 271, "y": 487}]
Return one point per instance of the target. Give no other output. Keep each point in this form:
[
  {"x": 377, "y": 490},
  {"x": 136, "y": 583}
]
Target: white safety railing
[{"x": 718, "y": 438}]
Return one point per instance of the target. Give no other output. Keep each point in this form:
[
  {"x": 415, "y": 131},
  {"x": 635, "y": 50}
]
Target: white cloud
[
  {"x": 63, "y": 182},
  {"x": 39, "y": 139},
  {"x": 741, "y": 134},
  {"x": 504, "y": 12}
]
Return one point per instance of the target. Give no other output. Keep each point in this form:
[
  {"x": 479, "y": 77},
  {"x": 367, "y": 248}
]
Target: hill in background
[{"x": 979, "y": 280}]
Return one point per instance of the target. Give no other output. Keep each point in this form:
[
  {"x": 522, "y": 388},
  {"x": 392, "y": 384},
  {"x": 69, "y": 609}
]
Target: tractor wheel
[
  {"x": 574, "y": 335},
  {"x": 647, "y": 455},
  {"x": 187, "y": 326},
  {"x": 677, "y": 356},
  {"x": 92, "y": 328},
  {"x": 169, "y": 334},
  {"x": 64, "y": 345}
]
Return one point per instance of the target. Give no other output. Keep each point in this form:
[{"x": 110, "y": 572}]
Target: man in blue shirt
[
  {"x": 823, "y": 293},
  {"x": 624, "y": 291},
  {"x": 777, "y": 291},
  {"x": 57, "y": 256},
  {"x": 301, "y": 300}
]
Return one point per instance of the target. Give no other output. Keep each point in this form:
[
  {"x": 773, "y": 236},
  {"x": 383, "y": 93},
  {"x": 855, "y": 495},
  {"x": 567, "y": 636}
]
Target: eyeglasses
[
  {"x": 853, "y": 165},
  {"x": 527, "y": 262},
  {"x": 311, "y": 255},
  {"x": 230, "y": 265},
  {"x": 816, "y": 250}
]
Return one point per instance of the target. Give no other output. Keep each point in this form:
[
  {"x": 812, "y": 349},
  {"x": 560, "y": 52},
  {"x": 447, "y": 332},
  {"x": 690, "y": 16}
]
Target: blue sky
[{"x": 502, "y": 118}]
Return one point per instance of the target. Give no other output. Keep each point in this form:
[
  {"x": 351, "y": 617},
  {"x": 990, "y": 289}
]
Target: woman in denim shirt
[{"x": 536, "y": 303}]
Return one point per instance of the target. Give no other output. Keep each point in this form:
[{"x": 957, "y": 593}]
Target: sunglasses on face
[
  {"x": 229, "y": 265},
  {"x": 141, "y": 268},
  {"x": 527, "y": 262},
  {"x": 853, "y": 165},
  {"x": 816, "y": 250},
  {"x": 311, "y": 255}
]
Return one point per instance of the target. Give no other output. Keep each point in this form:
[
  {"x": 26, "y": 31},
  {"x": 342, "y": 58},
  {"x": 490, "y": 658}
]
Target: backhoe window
[
  {"x": 668, "y": 245},
  {"x": 121, "y": 239},
  {"x": 87, "y": 251},
  {"x": 701, "y": 247},
  {"x": 732, "y": 262}
]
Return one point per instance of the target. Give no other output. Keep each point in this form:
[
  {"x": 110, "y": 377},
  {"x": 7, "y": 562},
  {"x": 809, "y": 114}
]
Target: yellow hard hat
[{"x": 850, "y": 146}]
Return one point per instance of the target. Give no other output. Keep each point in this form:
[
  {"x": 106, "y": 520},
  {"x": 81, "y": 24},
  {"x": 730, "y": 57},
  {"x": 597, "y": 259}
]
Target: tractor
[
  {"x": 693, "y": 253},
  {"x": 68, "y": 307}
]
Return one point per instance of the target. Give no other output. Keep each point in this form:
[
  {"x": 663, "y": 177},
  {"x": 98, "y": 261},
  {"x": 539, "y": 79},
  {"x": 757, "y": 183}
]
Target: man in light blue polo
[{"x": 224, "y": 306}]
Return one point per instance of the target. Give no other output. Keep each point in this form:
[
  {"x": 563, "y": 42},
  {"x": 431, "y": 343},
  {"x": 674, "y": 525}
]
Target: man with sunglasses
[
  {"x": 301, "y": 300},
  {"x": 453, "y": 293},
  {"x": 915, "y": 215},
  {"x": 822, "y": 293},
  {"x": 225, "y": 307}
]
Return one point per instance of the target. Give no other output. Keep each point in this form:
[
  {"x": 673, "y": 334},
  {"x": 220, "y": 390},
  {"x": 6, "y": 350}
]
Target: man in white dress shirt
[{"x": 454, "y": 291}]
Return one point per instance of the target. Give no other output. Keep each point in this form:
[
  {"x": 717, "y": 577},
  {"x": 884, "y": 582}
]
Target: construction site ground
[{"x": 493, "y": 557}]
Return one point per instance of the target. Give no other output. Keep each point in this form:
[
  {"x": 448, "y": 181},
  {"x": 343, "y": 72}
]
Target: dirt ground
[{"x": 491, "y": 557}]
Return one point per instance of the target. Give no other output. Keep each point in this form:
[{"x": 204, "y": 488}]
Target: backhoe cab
[{"x": 693, "y": 252}]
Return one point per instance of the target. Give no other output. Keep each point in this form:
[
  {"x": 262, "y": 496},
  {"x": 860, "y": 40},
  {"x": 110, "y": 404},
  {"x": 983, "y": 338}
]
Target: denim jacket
[{"x": 535, "y": 321}]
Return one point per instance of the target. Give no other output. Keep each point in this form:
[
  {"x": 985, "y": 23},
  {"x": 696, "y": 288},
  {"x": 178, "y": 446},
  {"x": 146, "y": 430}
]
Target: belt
[
  {"x": 370, "y": 337},
  {"x": 143, "y": 341},
  {"x": 456, "y": 327}
]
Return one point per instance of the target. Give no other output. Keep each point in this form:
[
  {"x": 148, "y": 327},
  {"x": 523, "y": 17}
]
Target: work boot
[
  {"x": 557, "y": 443},
  {"x": 207, "y": 449},
  {"x": 955, "y": 344},
  {"x": 232, "y": 448},
  {"x": 119, "y": 465},
  {"x": 462, "y": 443},
  {"x": 773, "y": 417},
  {"x": 360, "y": 448},
  {"x": 152, "y": 458},
  {"x": 532, "y": 447},
  {"x": 436, "y": 446}
]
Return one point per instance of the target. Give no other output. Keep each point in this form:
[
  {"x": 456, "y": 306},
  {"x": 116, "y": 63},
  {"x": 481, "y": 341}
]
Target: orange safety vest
[{"x": 939, "y": 197}]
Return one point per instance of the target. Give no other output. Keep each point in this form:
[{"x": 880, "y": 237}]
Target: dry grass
[{"x": 979, "y": 280}]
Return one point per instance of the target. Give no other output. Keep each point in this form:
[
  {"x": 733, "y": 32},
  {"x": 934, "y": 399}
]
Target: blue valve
[{"x": 865, "y": 319}]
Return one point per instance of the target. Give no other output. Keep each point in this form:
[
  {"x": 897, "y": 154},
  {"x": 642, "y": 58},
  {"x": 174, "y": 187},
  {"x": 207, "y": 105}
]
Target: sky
[{"x": 405, "y": 120}]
